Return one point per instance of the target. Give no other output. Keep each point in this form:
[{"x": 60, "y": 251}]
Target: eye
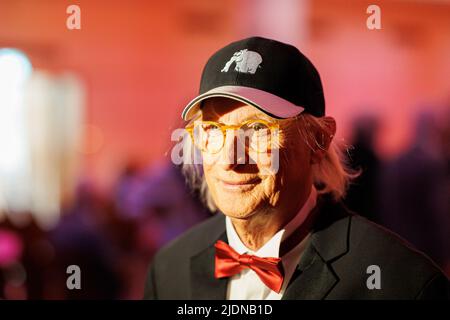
[
  {"x": 258, "y": 126},
  {"x": 211, "y": 130},
  {"x": 208, "y": 127}
]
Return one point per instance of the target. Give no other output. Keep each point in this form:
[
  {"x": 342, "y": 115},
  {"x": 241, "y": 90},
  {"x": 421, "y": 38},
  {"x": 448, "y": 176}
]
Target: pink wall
[
  {"x": 142, "y": 61},
  {"x": 391, "y": 72}
]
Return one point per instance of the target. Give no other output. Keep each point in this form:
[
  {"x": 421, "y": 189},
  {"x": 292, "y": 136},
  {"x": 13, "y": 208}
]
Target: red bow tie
[{"x": 229, "y": 263}]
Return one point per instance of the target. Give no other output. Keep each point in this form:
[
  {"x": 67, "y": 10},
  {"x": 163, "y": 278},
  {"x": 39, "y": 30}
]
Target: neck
[{"x": 259, "y": 228}]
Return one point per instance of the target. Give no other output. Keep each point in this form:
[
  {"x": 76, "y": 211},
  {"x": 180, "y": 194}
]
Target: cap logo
[{"x": 246, "y": 62}]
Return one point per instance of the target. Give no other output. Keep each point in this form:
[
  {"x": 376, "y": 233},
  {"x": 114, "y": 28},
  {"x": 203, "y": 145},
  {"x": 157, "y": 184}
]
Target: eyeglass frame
[{"x": 224, "y": 128}]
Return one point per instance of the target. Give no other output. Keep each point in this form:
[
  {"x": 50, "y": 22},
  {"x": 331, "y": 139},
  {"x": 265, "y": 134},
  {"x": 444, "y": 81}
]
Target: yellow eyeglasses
[{"x": 210, "y": 136}]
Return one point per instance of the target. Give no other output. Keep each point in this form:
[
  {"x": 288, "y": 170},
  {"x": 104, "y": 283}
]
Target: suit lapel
[
  {"x": 314, "y": 277},
  {"x": 204, "y": 286},
  {"x": 313, "y": 282}
]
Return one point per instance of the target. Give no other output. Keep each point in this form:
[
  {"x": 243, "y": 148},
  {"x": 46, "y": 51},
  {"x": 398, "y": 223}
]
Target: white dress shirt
[{"x": 246, "y": 285}]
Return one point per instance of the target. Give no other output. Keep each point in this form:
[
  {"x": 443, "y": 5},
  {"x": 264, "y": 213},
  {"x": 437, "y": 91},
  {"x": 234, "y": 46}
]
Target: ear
[{"x": 323, "y": 136}]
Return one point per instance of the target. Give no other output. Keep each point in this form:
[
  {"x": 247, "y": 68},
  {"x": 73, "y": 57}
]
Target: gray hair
[{"x": 332, "y": 175}]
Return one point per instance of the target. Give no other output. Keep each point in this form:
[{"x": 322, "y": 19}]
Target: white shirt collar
[{"x": 272, "y": 247}]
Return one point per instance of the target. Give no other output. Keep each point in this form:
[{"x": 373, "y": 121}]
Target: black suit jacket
[{"x": 333, "y": 266}]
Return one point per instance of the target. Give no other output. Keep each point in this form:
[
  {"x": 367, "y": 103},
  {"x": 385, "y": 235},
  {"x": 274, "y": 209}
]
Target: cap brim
[{"x": 268, "y": 103}]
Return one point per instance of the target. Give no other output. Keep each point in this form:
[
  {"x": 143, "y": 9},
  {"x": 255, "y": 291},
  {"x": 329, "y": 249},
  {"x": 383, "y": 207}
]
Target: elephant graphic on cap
[{"x": 246, "y": 62}]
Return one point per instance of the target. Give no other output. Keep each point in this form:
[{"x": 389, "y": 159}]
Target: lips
[
  {"x": 240, "y": 185},
  {"x": 241, "y": 182}
]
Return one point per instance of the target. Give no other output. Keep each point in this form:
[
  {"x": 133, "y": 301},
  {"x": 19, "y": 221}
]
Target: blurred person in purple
[{"x": 415, "y": 191}]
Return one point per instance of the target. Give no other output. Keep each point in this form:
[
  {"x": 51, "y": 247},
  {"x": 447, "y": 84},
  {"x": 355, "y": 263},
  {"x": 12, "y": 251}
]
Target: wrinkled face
[{"x": 239, "y": 189}]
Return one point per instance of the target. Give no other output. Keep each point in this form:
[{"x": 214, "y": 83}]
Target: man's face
[{"x": 240, "y": 190}]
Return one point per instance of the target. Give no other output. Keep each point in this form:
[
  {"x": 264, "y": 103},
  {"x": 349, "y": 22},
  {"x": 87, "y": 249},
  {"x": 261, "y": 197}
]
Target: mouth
[{"x": 239, "y": 185}]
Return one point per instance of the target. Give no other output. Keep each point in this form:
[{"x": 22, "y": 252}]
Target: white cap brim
[{"x": 266, "y": 102}]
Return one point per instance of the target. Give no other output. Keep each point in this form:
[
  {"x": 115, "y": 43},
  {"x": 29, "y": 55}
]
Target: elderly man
[{"x": 274, "y": 177}]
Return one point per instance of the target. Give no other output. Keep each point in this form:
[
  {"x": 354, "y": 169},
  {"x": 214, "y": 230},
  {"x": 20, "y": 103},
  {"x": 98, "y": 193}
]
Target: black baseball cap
[{"x": 272, "y": 76}]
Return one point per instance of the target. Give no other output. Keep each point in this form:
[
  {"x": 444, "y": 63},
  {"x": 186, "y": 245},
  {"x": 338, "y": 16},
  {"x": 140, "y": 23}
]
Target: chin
[
  {"x": 237, "y": 215},
  {"x": 237, "y": 208}
]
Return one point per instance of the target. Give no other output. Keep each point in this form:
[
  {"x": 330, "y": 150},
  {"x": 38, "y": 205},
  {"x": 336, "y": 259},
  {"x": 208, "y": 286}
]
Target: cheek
[
  {"x": 208, "y": 171},
  {"x": 270, "y": 186},
  {"x": 267, "y": 191},
  {"x": 206, "y": 168},
  {"x": 295, "y": 167},
  {"x": 298, "y": 156}
]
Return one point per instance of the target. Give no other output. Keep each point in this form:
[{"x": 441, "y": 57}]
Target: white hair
[{"x": 332, "y": 175}]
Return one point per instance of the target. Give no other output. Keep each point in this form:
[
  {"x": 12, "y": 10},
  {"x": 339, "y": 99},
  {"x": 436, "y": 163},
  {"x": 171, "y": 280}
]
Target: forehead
[{"x": 231, "y": 110}]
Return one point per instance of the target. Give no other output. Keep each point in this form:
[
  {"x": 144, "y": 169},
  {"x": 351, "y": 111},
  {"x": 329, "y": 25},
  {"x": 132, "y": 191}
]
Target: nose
[{"x": 232, "y": 154}]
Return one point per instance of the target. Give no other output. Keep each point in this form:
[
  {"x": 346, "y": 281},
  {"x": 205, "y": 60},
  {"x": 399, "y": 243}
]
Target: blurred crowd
[
  {"x": 113, "y": 237},
  {"x": 409, "y": 193}
]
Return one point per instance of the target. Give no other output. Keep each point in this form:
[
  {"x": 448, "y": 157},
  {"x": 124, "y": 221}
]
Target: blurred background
[{"x": 86, "y": 117}]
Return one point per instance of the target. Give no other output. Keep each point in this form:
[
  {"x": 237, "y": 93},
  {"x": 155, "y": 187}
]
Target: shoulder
[
  {"x": 404, "y": 271},
  {"x": 365, "y": 240},
  {"x": 377, "y": 241},
  {"x": 360, "y": 251}
]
